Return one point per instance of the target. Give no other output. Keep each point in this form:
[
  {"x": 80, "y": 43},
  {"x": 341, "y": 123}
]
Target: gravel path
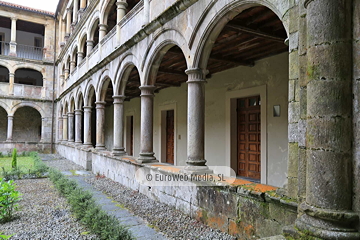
[
  {"x": 171, "y": 222},
  {"x": 43, "y": 214}
]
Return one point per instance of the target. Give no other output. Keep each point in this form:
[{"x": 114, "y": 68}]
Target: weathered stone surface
[
  {"x": 293, "y": 160},
  {"x": 294, "y": 112}
]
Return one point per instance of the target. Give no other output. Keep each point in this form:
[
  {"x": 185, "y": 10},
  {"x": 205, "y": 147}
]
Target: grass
[{"x": 24, "y": 163}]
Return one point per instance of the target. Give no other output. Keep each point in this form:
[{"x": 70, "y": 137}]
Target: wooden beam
[
  {"x": 172, "y": 72},
  {"x": 256, "y": 33},
  {"x": 167, "y": 84},
  {"x": 234, "y": 62}
]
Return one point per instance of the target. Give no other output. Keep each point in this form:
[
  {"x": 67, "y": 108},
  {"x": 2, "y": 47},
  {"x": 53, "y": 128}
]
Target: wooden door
[
  {"x": 170, "y": 136},
  {"x": 249, "y": 136},
  {"x": 131, "y": 135}
]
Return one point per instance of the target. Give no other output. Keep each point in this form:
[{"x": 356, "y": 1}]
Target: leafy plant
[
  {"x": 8, "y": 200},
  {"x": 14, "y": 156},
  {"x": 2, "y": 236},
  {"x": 87, "y": 211}
]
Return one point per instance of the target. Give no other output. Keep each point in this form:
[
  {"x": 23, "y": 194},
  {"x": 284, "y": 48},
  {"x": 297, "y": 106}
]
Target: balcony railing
[
  {"x": 22, "y": 51},
  {"x": 29, "y": 52}
]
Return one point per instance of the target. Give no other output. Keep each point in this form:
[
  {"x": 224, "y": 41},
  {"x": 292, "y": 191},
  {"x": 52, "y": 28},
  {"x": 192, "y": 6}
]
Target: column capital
[
  {"x": 80, "y": 54},
  {"x": 100, "y": 104},
  {"x": 60, "y": 118},
  {"x": 89, "y": 42},
  {"x": 147, "y": 90},
  {"x": 10, "y": 117},
  {"x": 78, "y": 111},
  {"x": 65, "y": 116},
  {"x": 14, "y": 18},
  {"x": 103, "y": 26},
  {"x": 87, "y": 108},
  {"x": 69, "y": 9},
  {"x": 121, "y": 4},
  {"x": 195, "y": 75},
  {"x": 118, "y": 99},
  {"x": 11, "y": 74},
  {"x": 70, "y": 114}
]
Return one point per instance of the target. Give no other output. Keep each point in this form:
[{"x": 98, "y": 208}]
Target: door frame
[
  {"x": 162, "y": 128},
  {"x": 231, "y": 126},
  {"x": 127, "y": 133}
]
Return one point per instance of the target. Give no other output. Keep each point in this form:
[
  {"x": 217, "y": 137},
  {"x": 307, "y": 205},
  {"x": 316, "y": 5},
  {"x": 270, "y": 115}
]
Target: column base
[
  {"x": 326, "y": 223},
  {"x": 197, "y": 167},
  {"x": 77, "y": 143},
  {"x": 146, "y": 158},
  {"x": 100, "y": 147},
  {"x": 8, "y": 140},
  {"x": 118, "y": 152},
  {"x": 88, "y": 145}
]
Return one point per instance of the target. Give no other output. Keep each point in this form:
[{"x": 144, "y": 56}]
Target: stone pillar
[
  {"x": 10, "y": 128},
  {"x": 60, "y": 137},
  {"x": 13, "y": 37},
  {"x": 71, "y": 126},
  {"x": 80, "y": 56},
  {"x": 146, "y": 135},
  {"x": 102, "y": 31},
  {"x": 89, "y": 45},
  {"x": 68, "y": 23},
  {"x": 100, "y": 125},
  {"x": 119, "y": 148},
  {"x": 87, "y": 125},
  {"x": 78, "y": 126},
  {"x": 43, "y": 124},
  {"x": 72, "y": 65},
  {"x": 11, "y": 83},
  {"x": 326, "y": 213},
  {"x": 66, "y": 73},
  {"x": 146, "y": 11},
  {"x": 121, "y": 11},
  {"x": 82, "y": 5},
  {"x": 65, "y": 128},
  {"x": 75, "y": 11},
  {"x": 196, "y": 121},
  {"x": 63, "y": 33},
  {"x": 62, "y": 78}
]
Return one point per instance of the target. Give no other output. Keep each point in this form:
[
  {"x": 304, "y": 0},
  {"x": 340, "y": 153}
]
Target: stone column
[
  {"x": 89, "y": 45},
  {"x": 119, "y": 148},
  {"x": 75, "y": 11},
  {"x": 65, "y": 128},
  {"x": 146, "y": 135},
  {"x": 60, "y": 137},
  {"x": 102, "y": 31},
  {"x": 100, "y": 125},
  {"x": 87, "y": 125},
  {"x": 80, "y": 56},
  {"x": 326, "y": 213},
  {"x": 42, "y": 137},
  {"x": 78, "y": 126},
  {"x": 82, "y": 5},
  {"x": 63, "y": 33},
  {"x": 11, "y": 83},
  {"x": 146, "y": 11},
  {"x": 62, "y": 78},
  {"x": 72, "y": 66},
  {"x": 66, "y": 73},
  {"x": 196, "y": 121},
  {"x": 121, "y": 11},
  {"x": 13, "y": 37},
  {"x": 68, "y": 23},
  {"x": 10, "y": 128},
  {"x": 71, "y": 126}
]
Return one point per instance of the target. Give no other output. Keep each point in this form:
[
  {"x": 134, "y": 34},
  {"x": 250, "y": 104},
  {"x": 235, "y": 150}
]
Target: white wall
[{"x": 272, "y": 72}]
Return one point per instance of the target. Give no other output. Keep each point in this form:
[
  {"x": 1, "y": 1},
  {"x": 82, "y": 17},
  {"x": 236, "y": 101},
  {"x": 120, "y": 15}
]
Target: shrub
[
  {"x": 8, "y": 200},
  {"x": 14, "y": 161},
  {"x": 87, "y": 211}
]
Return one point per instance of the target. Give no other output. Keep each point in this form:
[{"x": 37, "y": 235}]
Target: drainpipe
[{"x": 53, "y": 93}]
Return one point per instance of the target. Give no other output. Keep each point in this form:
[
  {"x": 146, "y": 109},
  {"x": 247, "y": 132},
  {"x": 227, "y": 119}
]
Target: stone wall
[{"x": 245, "y": 210}]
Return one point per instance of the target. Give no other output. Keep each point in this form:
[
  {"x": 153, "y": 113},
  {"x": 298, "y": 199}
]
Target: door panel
[
  {"x": 249, "y": 136},
  {"x": 170, "y": 136}
]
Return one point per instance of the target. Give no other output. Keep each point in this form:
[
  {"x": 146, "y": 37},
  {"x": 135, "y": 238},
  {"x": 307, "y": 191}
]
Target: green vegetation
[
  {"x": 87, "y": 211},
  {"x": 8, "y": 200},
  {"x": 14, "y": 161},
  {"x": 26, "y": 167}
]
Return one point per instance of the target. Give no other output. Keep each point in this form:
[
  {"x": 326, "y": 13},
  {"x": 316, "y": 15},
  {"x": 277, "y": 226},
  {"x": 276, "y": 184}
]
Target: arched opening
[
  {"x": 112, "y": 17},
  {"x": 248, "y": 64},
  {"x": 60, "y": 123},
  {"x": 83, "y": 48},
  {"x": 107, "y": 96},
  {"x": 72, "y": 121},
  {"x": 4, "y": 74},
  {"x": 95, "y": 33},
  {"x": 3, "y": 124},
  {"x": 168, "y": 71},
  {"x": 92, "y": 100},
  {"x": 27, "y": 125},
  {"x": 131, "y": 4},
  {"x": 130, "y": 89},
  {"x": 28, "y": 77},
  {"x": 80, "y": 107}
]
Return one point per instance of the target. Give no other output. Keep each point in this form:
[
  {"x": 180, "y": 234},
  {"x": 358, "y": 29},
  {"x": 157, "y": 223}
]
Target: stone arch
[
  {"x": 74, "y": 54},
  {"x": 72, "y": 104},
  {"x": 4, "y": 74},
  {"x": 65, "y": 108},
  {"x": 31, "y": 131},
  {"x": 27, "y": 104},
  {"x": 28, "y": 76},
  {"x": 79, "y": 99},
  {"x": 5, "y": 107},
  {"x": 89, "y": 94},
  {"x": 7, "y": 65},
  {"x": 93, "y": 27},
  {"x": 158, "y": 48},
  {"x": 213, "y": 25},
  {"x": 120, "y": 74},
  {"x": 29, "y": 66},
  {"x": 82, "y": 44},
  {"x": 103, "y": 84},
  {"x": 105, "y": 10}
]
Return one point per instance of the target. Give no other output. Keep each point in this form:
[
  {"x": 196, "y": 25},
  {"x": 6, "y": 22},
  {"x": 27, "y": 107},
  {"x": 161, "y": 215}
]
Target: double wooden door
[{"x": 248, "y": 137}]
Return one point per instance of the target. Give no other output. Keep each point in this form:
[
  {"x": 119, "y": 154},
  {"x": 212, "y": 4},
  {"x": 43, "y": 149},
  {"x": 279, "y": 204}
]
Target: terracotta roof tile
[{"x": 2, "y": 3}]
